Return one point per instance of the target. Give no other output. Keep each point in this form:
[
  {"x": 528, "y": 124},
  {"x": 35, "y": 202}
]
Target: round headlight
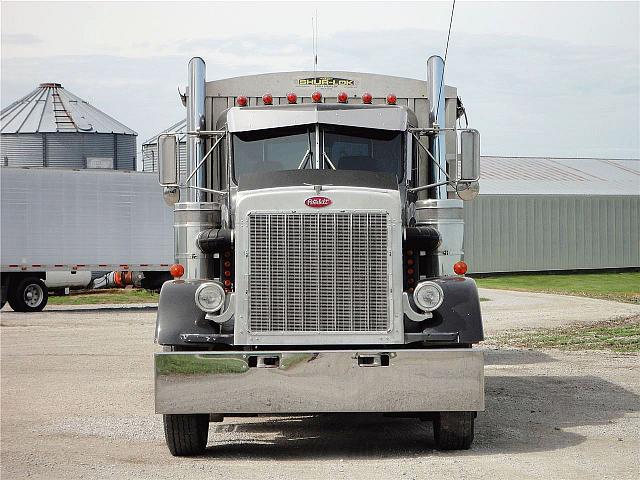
[
  {"x": 428, "y": 296},
  {"x": 210, "y": 297}
]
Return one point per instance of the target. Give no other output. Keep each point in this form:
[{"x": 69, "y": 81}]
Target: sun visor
[{"x": 382, "y": 117}]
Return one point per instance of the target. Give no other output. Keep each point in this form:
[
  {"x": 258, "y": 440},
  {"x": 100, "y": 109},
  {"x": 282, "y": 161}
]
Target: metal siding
[
  {"x": 98, "y": 145},
  {"x": 91, "y": 217},
  {"x": 509, "y": 233},
  {"x": 21, "y": 150},
  {"x": 150, "y": 158},
  {"x": 126, "y": 152},
  {"x": 65, "y": 150}
]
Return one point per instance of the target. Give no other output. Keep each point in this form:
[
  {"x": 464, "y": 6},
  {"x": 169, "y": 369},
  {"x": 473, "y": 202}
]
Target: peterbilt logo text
[
  {"x": 326, "y": 82},
  {"x": 317, "y": 202}
]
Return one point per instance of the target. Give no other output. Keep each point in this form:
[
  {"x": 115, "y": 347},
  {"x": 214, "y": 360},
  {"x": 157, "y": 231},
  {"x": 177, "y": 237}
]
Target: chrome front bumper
[{"x": 324, "y": 381}]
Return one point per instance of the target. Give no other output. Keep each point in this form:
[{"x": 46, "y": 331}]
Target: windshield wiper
[
  {"x": 308, "y": 154},
  {"x": 326, "y": 157},
  {"x": 303, "y": 162}
]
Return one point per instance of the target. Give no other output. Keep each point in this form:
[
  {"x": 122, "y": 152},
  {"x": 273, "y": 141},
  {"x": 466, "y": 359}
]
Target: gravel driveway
[{"x": 77, "y": 402}]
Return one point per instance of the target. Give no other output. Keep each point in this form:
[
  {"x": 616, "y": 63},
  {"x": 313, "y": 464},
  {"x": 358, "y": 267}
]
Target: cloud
[
  {"x": 527, "y": 95},
  {"x": 20, "y": 39}
]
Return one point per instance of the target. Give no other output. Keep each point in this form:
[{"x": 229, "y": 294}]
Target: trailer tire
[
  {"x": 453, "y": 430},
  {"x": 30, "y": 295},
  {"x": 186, "y": 435}
]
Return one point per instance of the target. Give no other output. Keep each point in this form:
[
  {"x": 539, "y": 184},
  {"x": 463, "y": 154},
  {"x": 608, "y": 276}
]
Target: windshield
[
  {"x": 273, "y": 149},
  {"x": 349, "y": 148},
  {"x": 291, "y": 148}
]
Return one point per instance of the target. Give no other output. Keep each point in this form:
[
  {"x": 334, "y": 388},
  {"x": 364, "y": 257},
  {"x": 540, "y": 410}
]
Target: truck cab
[{"x": 319, "y": 254}]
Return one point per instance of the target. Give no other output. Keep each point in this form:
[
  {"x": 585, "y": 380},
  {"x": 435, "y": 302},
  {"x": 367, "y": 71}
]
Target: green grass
[
  {"x": 124, "y": 296},
  {"x": 195, "y": 365},
  {"x": 622, "y": 287},
  {"x": 621, "y": 335}
]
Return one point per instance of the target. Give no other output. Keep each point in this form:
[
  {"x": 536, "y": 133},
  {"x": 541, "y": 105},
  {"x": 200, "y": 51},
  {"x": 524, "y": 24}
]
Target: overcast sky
[{"x": 537, "y": 78}]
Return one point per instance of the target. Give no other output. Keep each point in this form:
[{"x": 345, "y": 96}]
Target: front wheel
[
  {"x": 453, "y": 430},
  {"x": 186, "y": 435},
  {"x": 30, "y": 295}
]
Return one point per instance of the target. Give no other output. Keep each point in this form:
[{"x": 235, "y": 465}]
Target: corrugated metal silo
[
  {"x": 51, "y": 127},
  {"x": 150, "y": 149}
]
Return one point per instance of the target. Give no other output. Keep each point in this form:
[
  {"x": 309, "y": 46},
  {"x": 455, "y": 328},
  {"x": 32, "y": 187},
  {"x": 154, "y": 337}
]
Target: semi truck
[
  {"x": 64, "y": 228},
  {"x": 319, "y": 265}
]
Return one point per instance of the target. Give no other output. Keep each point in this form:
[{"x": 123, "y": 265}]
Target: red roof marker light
[
  {"x": 343, "y": 97},
  {"x": 316, "y": 97},
  {"x": 267, "y": 99},
  {"x": 292, "y": 97},
  {"x": 367, "y": 97},
  {"x": 392, "y": 99},
  {"x": 242, "y": 101}
]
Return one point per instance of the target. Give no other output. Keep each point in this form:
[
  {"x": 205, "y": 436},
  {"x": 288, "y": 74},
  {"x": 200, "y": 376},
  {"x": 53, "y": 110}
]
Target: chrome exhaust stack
[
  {"x": 439, "y": 212},
  {"x": 195, "y": 123},
  {"x": 437, "y": 118},
  {"x": 196, "y": 214}
]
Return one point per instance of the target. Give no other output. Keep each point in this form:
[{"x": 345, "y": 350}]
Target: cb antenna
[
  {"x": 446, "y": 52},
  {"x": 314, "y": 35}
]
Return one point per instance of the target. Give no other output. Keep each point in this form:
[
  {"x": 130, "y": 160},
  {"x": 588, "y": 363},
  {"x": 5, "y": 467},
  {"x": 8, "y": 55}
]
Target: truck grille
[{"x": 318, "y": 272}]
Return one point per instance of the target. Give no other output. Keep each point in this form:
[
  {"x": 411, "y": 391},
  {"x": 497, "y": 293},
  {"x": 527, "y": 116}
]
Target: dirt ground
[{"x": 77, "y": 402}]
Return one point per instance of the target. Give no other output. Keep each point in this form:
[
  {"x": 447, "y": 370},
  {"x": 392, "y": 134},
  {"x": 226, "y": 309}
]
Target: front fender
[
  {"x": 459, "y": 315},
  {"x": 178, "y": 313}
]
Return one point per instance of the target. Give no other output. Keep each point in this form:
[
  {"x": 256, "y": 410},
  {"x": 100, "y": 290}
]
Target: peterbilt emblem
[{"x": 317, "y": 202}]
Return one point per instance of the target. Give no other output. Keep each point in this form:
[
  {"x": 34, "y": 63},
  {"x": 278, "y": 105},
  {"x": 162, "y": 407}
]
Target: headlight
[
  {"x": 210, "y": 297},
  {"x": 428, "y": 296}
]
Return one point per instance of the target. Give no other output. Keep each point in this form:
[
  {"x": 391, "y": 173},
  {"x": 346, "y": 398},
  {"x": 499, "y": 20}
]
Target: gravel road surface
[{"x": 77, "y": 402}]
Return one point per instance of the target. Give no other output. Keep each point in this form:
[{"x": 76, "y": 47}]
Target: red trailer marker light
[
  {"x": 460, "y": 268},
  {"x": 242, "y": 101},
  {"x": 267, "y": 99},
  {"x": 292, "y": 97},
  {"x": 343, "y": 97},
  {"x": 176, "y": 270},
  {"x": 316, "y": 97},
  {"x": 367, "y": 97},
  {"x": 392, "y": 99}
]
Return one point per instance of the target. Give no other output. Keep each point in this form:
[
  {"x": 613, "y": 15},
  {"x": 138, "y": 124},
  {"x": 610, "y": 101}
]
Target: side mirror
[
  {"x": 168, "y": 151},
  {"x": 467, "y": 187},
  {"x": 470, "y": 158}
]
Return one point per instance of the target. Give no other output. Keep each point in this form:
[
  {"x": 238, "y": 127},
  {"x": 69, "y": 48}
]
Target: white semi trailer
[
  {"x": 319, "y": 254},
  {"x": 58, "y": 226}
]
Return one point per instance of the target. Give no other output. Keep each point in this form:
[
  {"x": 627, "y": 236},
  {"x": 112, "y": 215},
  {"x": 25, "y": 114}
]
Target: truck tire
[
  {"x": 453, "y": 430},
  {"x": 30, "y": 295},
  {"x": 186, "y": 435}
]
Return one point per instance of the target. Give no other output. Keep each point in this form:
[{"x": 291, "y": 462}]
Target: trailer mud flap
[{"x": 320, "y": 381}]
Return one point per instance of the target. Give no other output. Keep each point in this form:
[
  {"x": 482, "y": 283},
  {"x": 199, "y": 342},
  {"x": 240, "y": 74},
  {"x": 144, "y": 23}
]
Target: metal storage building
[
  {"x": 544, "y": 214},
  {"x": 538, "y": 213},
  {"x": 150, "y": 149},
  {"x": 51, "y": 127}
]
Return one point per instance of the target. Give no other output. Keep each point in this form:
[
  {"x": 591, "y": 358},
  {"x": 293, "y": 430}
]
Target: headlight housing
[
  {"x": 428, "y": 296},
  {"x": 210, "y": 297}
]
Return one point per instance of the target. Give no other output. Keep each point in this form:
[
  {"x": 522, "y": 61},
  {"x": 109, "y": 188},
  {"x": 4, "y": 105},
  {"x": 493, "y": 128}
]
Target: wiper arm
[
  {"x": 303, "y": 162},
  {"x": 326, "y": 157},
  {"x": 308, "y": 154}
]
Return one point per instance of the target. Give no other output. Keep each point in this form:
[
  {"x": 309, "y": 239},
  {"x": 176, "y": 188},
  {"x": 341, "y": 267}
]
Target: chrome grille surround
[{"x": 319, "y": 272}]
